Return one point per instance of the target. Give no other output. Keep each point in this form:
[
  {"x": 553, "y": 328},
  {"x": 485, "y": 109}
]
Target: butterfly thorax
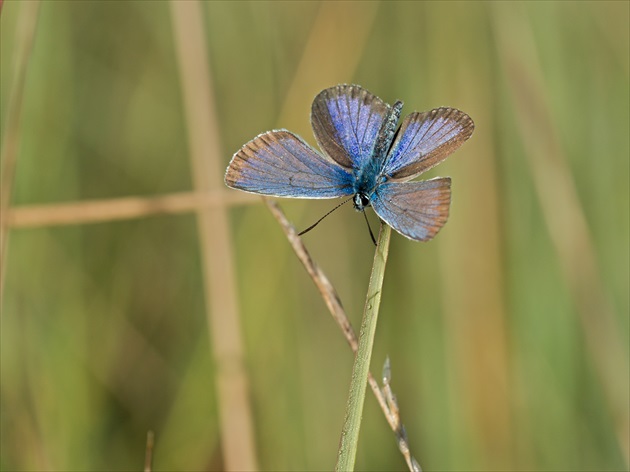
[{"x": 370, "y": 175}]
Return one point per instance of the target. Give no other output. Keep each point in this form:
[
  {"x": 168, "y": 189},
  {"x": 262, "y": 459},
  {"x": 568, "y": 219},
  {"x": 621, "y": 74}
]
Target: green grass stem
[{"x": 354, "y": 411}]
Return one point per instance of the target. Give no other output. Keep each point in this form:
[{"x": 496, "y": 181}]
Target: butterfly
[{"x": 365, "y": 156}]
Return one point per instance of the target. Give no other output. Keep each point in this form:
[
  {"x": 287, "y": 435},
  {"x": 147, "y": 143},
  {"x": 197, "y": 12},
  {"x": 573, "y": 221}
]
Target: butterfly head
[{"x": 360, "y": 201}]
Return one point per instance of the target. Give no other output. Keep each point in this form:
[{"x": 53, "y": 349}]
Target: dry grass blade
[
  {"x": 392, "y": 403},
  {"x": 97, "y": 211},
  {"x": 237, "y": 434},
  {"x": 331, "y": 298}
]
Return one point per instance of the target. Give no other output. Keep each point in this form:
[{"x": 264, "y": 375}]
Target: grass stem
[{"x": 354, "y": 411}]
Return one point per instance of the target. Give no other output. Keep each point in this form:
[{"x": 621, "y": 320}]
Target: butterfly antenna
[
  {"x": 318, "y": 221},
  {"x": 369, "y": 228}
]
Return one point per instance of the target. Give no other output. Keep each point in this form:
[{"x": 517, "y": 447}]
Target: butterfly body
[
  {"x": 368, "y": 177},
  {"x": 366, "y": 155}
]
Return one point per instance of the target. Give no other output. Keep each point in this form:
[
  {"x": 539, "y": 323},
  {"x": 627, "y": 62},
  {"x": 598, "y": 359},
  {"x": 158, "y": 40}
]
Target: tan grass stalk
[
  {"x": 237, "y": 436},
  {"x": 125, "y": 208}
]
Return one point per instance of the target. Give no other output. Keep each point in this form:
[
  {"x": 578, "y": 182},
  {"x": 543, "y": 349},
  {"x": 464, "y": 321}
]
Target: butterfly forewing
[
  {"x": 346, "y": 120},
  {"x": 426, "y": 139},
  {"x": 279, "y": 163},
  {"x": 416, "y": 210}
]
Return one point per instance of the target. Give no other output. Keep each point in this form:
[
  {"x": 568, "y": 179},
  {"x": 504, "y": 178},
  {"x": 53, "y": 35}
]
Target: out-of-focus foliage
[{"x": 489, "y": 327}]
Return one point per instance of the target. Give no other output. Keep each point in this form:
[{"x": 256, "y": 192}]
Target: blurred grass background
[{"x": 508, "y": 334}]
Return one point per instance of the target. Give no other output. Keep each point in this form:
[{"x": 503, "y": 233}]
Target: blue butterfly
[{"x": 365, "y": 155}]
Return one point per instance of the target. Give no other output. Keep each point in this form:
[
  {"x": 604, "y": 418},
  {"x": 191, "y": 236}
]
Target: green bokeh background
[{"x": 499, "y": 358}]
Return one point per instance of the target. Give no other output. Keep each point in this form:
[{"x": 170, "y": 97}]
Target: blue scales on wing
[
  {"x": 278, "y": 163},
  {"x": 346, "y": 120},
  {"x": 416, "y": 210},
  {"x": 426, "y": 139}
]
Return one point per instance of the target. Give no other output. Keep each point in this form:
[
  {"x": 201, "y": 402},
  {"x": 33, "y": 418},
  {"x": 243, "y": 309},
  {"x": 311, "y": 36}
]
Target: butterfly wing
[
  {"x": 346, "y": 120},
  {"x": 279, "y": 163},
  {"x": 416, "y": 210},
  {"x": 426, "y": 139}
]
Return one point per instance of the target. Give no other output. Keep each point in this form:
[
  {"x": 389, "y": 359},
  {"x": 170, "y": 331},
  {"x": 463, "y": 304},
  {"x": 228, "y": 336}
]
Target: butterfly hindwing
[
  {"x": 416, "y": 210},
  {"x": 426, "y": 139},
  {"x": 279, "y": 163},
  {"x": 346, "y": 120}
]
